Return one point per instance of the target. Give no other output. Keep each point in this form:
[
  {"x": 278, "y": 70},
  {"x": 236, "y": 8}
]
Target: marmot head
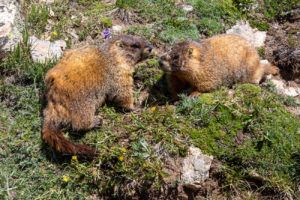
[
  {"x": 179, "y": 57},
  {"x": 135, "y": 49}
]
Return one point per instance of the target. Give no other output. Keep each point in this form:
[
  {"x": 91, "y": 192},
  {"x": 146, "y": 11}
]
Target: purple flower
[{"x": 106, "y": 33}]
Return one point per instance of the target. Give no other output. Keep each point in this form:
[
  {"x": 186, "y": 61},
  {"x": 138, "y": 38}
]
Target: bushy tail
[{"x": 55, "y": 139}]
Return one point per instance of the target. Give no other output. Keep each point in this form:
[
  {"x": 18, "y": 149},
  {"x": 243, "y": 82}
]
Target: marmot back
[
  {"x": 82, "y": 81},
  {"x": 214, "y": 62}
]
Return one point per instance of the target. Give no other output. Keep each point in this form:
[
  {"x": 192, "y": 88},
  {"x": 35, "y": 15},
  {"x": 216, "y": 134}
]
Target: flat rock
[
  {"x": 255, "y": 37},
  {"x": 11, "y": 25},
  {"x": 45, "y": 50}
]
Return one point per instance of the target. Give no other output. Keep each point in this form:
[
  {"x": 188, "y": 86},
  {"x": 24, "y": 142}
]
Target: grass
[{"x": 248, "y": 129}]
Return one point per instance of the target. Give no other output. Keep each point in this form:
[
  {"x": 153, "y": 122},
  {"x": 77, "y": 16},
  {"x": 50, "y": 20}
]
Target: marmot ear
[
  {"x": 119, "y": 43},
  {"x": 190, "y": 52}
]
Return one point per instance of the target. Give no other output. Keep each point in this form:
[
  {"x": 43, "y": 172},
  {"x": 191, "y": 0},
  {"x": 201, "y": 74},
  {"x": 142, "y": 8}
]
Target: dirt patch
[{"x": 283, "y": 47}]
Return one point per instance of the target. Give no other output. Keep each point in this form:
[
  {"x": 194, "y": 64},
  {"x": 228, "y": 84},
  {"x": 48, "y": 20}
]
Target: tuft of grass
[
  {"x": 20, "y": 65},
  {"x": 37, "y": 18}
]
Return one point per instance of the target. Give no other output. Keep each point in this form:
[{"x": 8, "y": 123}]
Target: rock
[
  {"x": 46, "y": 1},
  {"x": 44, "y": 50},
  {"x": 187, "y": 8},
  {"x": 117, "y": 28},
  {"x": 195, "y": 167},
  {"x": 11, "y": 25},
  {"x": 283, "y": 89},
  {"x": 255, "y": 37}
]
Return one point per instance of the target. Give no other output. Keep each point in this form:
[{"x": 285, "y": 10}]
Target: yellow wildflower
[
  {"x": 54, "y": 34},
  {"x": 123, "y": 150},
  {"x": 94, "y": 173},
  {"x": 145, "y": 165},
  {"x": 121, "y": 158},
  {"x": 74, "y": 158},
  {"x": 66, "y": 178},
  {"x": 153, "y": 108}
]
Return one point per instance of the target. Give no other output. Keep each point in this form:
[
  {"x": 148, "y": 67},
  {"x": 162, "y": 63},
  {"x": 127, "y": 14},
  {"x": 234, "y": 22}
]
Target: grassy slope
[{"x": 247, "y": 129}]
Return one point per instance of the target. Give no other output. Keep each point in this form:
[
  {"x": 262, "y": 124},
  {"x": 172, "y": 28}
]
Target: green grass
[
  {"x": 249, "y": 132},
  {"x": 37, "y": 18}
]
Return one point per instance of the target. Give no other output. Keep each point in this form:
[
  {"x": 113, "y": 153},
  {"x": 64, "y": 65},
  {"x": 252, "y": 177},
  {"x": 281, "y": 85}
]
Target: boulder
[
  {"x": 255, "y": 37},
  {"x": 11, "y": 25},
  {"x": 45, "y": 50},
  {"x": 195, "y": 167}
]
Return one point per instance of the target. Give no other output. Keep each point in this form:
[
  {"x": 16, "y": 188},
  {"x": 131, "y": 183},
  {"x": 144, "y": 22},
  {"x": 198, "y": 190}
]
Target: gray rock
[
  {"x": 255, "y": 37},
  {"x": 282, "y": 88},
  {"x": 11, "y": 25},
  {"x": 44, "y": 50},
  {"x": 195, "y": 167}
]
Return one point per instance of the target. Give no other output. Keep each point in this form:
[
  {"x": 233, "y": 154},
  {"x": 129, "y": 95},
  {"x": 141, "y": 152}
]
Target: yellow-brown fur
[
  {"x": 83, "y": 80},
  {"x": 214, "y": 62}
]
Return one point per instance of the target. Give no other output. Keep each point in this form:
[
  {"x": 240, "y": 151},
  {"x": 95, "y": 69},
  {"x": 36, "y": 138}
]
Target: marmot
[
  {"x": 214, "y": 62},
  {"x": 83, "y": 80}
]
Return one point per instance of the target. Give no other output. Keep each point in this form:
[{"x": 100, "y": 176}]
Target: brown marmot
[
  {"x": 222, "y": 60},
  {"x": 83, "y": 80}
]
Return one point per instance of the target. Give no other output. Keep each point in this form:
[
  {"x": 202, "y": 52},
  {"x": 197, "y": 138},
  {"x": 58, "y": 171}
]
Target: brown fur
[
  {"x": 220, "y": 60},
  {"x": 83, "y": 80}
]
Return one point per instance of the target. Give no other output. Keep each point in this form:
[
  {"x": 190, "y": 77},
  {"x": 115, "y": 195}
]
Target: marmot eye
[{"x": 136, "y": 46}]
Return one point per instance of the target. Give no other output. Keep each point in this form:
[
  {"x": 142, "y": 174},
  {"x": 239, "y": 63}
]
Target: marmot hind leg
[{"x": 83, "y": 117}]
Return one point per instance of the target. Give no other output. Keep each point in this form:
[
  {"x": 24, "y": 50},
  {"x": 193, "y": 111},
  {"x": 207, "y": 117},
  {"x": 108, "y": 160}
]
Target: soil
[{"x": 283, "y": 47}]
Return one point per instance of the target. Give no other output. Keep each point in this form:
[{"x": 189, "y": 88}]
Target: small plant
[
  {"x": 37, "y": 18},
  {"x": 261, "y": 52},
  {"x": 106, "y": 22},
  {"x": 125, "y": 4},
  {"x": 20, "y": 64}
]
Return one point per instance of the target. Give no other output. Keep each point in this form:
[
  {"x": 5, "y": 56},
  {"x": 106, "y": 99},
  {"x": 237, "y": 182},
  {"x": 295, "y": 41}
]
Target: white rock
[
  {"x": 117, "y": 28},
  {"x": 11, "y": 25},
  {"x": 44, "y": 50},
  {"x": 195, "y": 167},
  {"x": 187, "y": 8},
  {"x": 282, "y": 88},
  {"x": 46, "y": 1},
  {"x": 255, "y": 37}
]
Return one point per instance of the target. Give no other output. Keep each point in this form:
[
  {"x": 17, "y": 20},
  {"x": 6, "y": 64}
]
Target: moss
[
  {"x": 149, "y": 73},
  {"x": 210, "y": 26},
  {"x": 261, "y": 52},
  {"x": 215, "y": 16},
  {"x": 260, "y": 25}
]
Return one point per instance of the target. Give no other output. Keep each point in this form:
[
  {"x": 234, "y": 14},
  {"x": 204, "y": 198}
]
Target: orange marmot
[
  {"x": 83, "y": 80},
  {"x": 222, "y": 60}
]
